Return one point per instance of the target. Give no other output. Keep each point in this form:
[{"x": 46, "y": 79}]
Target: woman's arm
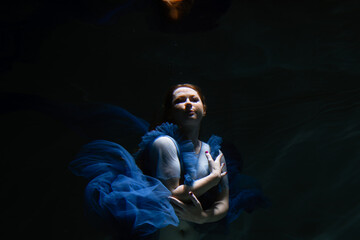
[
  {"x": 201, "y": 185},
  {"x": 164, "y": 155},
  {"x": 195, "y": 213},
  {"x": 219, "y": 208}
]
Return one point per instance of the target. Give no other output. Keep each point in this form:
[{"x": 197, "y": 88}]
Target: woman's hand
[
  {"x": 215, "y": 166},
  {"x": 192, "y": 212}
]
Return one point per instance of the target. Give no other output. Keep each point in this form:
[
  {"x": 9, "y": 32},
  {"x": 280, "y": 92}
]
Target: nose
[{"x": 188, "y": 104}]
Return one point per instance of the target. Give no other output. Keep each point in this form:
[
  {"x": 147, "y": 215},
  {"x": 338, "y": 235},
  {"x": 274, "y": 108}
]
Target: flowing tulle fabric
[
  {"x": 118, "y": 191},
  {"x": 188, "y": 159},
  {"x": 245, "y": 191}
]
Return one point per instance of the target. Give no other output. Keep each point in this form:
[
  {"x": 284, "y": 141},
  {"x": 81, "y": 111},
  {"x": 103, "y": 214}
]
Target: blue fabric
[
  {"x": 245, "y": 191},
  {"x": 118, "y": 188},
  {"x": 115, "y": 179},
  {"x": 188, "y": 158},
  {"x": 119, "y": 191}
]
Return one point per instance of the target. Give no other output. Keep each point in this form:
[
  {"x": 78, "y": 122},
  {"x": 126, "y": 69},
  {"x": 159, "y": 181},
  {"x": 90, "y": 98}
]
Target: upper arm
[
  {"x": 164, "y": 155},
  {"x": 224, "y": 181},
  {"x": 223, "y": 193}
]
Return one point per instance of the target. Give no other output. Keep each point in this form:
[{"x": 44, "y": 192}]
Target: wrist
[{"x": 214, "y": 179}]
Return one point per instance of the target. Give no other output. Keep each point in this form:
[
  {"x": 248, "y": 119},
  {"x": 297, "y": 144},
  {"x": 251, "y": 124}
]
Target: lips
[{"x": 190, "y": 112}]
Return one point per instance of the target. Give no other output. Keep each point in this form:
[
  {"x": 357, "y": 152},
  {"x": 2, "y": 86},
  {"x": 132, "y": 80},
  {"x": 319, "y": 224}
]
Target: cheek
[
  {"x": 175, "y": 111},
  {"x": 176, "y": 108},
  {"x": 200, "y": 107}
]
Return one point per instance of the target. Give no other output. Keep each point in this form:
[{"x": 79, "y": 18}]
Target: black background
[{"x": 282, "y": 83}]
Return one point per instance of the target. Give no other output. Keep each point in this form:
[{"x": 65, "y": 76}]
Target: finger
[
  {"x": 176, "y": 207},
  {"x": 222, "y": 166},
  {"x": 219, "y": 157},
  {"x": 181, "y": 217},
  {"x": 208, "y": 155},
  {"x": 210, "y": 160},
  {"x": 177, "y": 202},
  {"x": 178, "y": 213},
  {"x": 223, "y": 174},
  {"x": 194, "y": 199}
]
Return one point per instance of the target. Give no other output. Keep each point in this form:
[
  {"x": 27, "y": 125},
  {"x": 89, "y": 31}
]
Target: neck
[{"x": 192, "y": 133}]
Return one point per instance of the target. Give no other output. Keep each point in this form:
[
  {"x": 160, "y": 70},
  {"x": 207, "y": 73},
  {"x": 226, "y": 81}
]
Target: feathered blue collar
[{"x": 188, "y": 157}]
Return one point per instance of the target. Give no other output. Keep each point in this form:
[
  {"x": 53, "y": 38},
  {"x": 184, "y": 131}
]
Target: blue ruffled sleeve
[{"x": 185, "y": 147}]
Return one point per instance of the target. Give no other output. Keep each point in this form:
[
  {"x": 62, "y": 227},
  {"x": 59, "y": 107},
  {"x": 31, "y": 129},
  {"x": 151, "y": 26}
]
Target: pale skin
[{"x": 187, "y": 112}]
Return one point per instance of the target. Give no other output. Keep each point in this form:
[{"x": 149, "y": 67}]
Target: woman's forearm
[
  {"x": 219, "y": 209},
  {"x": 199, "y": 187},
  {"x": 197, "y": 215},
  {"x": 216, "y": 212},
  {"x": 193, "y": 212}
]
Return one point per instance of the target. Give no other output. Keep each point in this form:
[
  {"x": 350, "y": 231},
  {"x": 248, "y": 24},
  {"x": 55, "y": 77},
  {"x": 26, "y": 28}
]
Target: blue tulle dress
[{"x": 121, "y": 195}]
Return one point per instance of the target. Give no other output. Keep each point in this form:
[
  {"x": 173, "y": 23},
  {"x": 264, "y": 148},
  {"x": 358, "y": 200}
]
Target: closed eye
[
  {"x": 179, "y": 100},
  {"x": 194, "y": 99}
]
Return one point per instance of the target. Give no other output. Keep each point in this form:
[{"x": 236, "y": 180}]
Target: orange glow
[{"x": 176, "y": 9}]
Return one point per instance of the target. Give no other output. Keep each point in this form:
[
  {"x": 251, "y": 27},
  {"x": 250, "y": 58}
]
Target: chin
[{"x": 191, "y": 122}]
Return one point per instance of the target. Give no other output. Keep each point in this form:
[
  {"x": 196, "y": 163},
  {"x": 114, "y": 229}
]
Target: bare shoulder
[{"x": 164, "y": 142}]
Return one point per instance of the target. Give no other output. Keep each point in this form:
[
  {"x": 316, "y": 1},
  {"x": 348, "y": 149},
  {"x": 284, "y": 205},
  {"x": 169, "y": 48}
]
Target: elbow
[
  {"x": 224, "y": 211},
  {"x": 220, "y": 211},
  {"x": 223, "y": 208}
]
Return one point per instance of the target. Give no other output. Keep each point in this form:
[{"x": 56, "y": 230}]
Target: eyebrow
[{"x": 192, "y": 95}]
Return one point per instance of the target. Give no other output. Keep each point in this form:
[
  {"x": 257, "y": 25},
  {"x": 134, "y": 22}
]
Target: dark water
[{"x": 281, "y": 81}]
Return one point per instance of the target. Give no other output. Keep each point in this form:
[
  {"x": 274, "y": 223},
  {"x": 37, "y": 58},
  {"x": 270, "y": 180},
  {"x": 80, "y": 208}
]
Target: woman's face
[{"x": 187, "y": 107}]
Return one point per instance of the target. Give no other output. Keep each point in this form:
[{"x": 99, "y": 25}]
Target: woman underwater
[
  {"x": 185, "y": 107},
  {"x": 182, "y": 191}
]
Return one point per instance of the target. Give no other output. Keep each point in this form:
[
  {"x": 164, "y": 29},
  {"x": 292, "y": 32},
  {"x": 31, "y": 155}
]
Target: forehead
[{"x": 184, "y": 91}]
